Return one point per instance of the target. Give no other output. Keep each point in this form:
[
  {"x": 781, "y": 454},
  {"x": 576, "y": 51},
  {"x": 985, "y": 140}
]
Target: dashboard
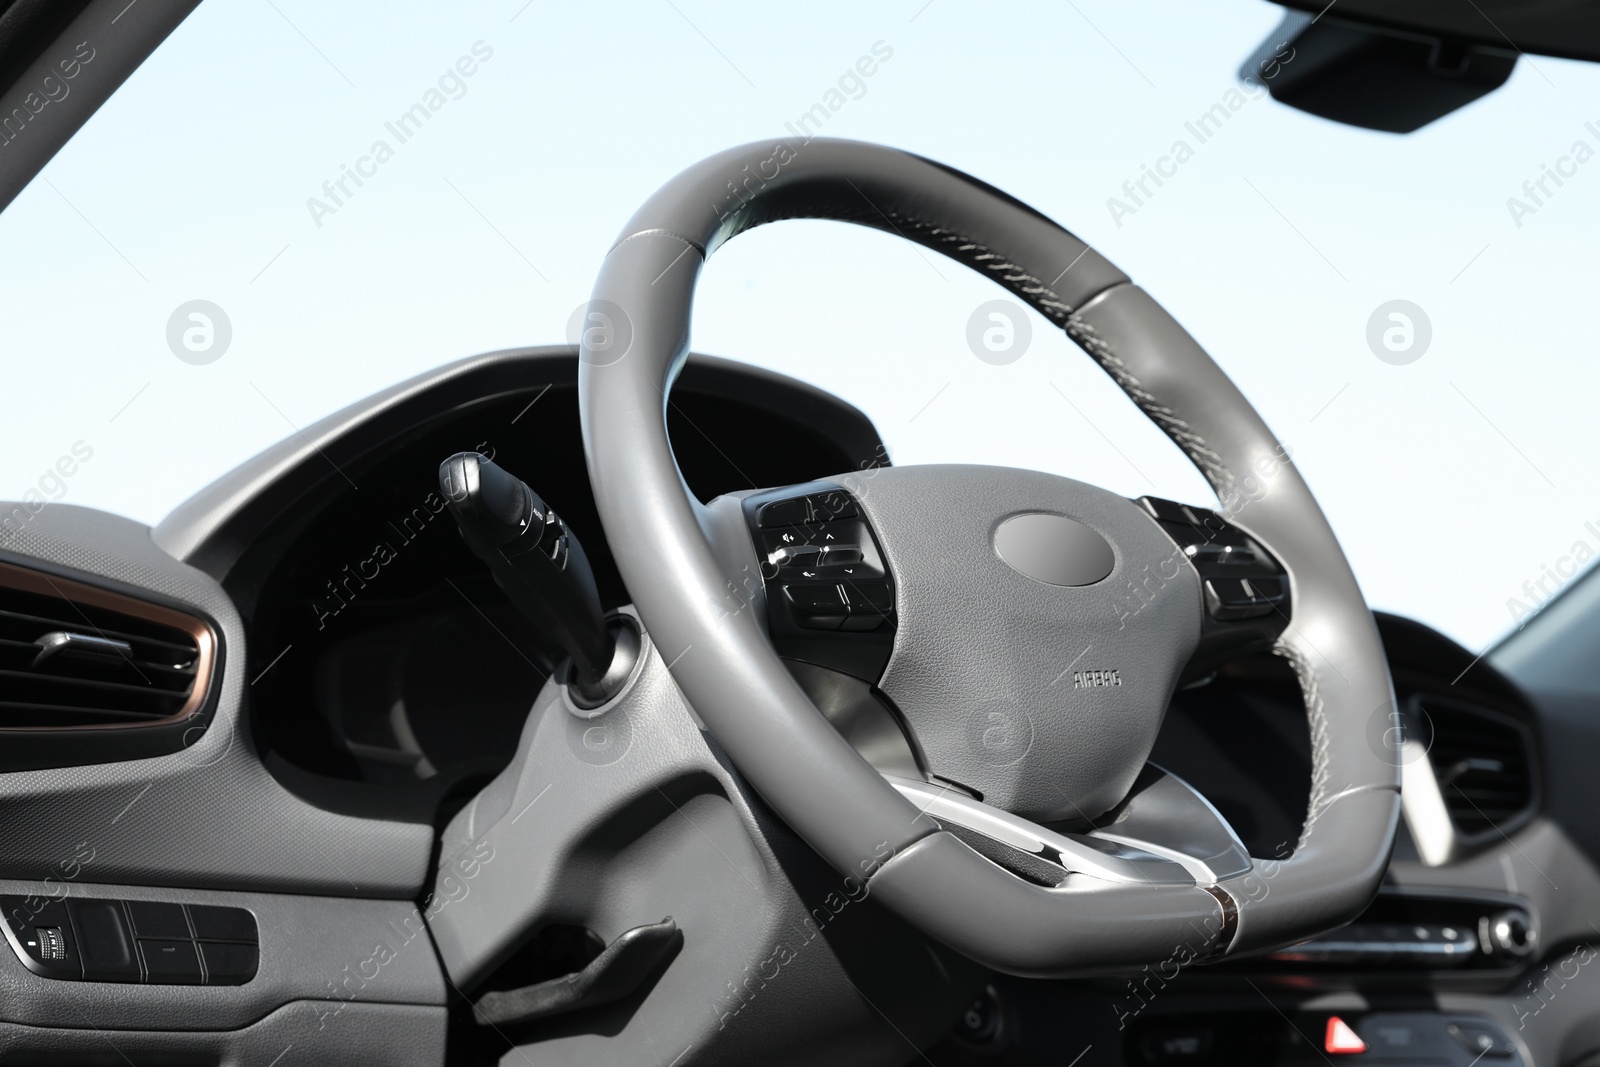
[
  {"x": 363, "y": 583},
  {"x": 383, "y": 680}
]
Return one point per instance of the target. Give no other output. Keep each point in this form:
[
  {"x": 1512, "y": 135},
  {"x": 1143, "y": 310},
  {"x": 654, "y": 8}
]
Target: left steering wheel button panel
[{"x": 830, "y": 596}]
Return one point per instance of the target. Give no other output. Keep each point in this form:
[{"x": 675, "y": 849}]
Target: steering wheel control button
[
  {"x": 831, "y": 506},
  {"x": 1165, "y": 510},
  {"x": 1054, "y": 549},
  {"x": 1242, "y": 598},
  {"x": 869, "y": 598},
  {"x": 817, "y": 607},
  {"x": 785, "y": 513},
  {"x": 170, "y": 962},
  {"x": 806, "y": 510}
]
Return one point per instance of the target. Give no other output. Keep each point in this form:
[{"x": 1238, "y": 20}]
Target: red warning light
[{"x": 1341, "y": 1039}]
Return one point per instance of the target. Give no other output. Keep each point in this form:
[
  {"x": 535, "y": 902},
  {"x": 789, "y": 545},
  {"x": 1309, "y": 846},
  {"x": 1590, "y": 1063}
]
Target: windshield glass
[{"x": 292, "y": 205}]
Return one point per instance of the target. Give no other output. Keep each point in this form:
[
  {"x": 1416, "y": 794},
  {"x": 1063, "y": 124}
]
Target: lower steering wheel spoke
[{"x": 1164, "y": 833}]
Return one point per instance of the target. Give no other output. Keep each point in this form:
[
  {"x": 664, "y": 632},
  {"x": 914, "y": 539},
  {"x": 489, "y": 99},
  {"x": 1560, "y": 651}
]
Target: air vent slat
[
  {"x": 108, "y": 668},
  {"x": 159, "y": 675},
  {"x": 15, "y": 714},
  {"x": 1484, "y": 762},
  {"x": 17, "y": 621},
  {"x": 20, "y": 656},
  {"x": 12, "y": 682},
  {"x": 75, "y": 656}
]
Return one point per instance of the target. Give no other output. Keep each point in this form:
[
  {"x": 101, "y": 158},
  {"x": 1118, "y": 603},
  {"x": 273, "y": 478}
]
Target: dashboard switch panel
[
  {"x": 41, "y": 932},
  {"x": 1314, "y": 1039},
  {"x": 137, "y": 941}
]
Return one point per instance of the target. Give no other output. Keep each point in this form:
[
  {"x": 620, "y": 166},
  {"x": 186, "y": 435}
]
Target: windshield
[{"x": 292, "y": 205}]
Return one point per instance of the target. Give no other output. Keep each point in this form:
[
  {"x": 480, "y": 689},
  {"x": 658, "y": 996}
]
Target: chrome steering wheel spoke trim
[
  {"x": 1164, "y": 833},
  {"x": 1166, "y": 816},
  {"x": 1109, "y": 859}
]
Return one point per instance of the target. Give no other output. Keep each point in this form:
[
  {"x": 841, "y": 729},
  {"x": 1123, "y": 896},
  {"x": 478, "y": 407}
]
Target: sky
[{"x": 1458, "y": 473}]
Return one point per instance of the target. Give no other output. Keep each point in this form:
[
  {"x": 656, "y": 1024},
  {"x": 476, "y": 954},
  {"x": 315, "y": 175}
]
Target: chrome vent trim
[{"x": 75, "y": 656}]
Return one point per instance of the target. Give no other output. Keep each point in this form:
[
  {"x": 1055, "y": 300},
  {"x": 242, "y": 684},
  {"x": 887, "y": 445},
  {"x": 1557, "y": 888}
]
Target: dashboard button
[
  {"x": 1340, "y": 1038},
  {"x": 152, "y": 918},
  {"x": 1179, "y": 1045},
  {"x": 44, "y": 932},
  {"x": 52, "y": 943},
  {"x": 213, "y": 923},
  {"x": 1483, "y": 1039},
  {"x": 229, "y": 964},
  {"x": 170, "y": 962},
  {"x": 104, "y": 942}
]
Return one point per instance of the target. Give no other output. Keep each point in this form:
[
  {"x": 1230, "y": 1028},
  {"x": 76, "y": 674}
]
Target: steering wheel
[{"x": 987, "y": 583}]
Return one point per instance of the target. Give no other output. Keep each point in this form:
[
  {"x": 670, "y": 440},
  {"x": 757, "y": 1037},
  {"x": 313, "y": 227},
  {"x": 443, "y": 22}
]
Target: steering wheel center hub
[{"x": 1043, "y": 624}]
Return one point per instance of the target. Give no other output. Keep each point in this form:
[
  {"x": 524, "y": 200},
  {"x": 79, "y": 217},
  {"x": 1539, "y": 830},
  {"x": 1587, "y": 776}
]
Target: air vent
[
  {"x": 1484, "y": 764},
  {"x": 74, "y": 656}
]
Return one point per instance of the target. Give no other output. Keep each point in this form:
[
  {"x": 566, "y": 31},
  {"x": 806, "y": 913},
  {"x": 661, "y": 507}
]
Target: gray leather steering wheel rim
[{"x": 678, "y": 559}]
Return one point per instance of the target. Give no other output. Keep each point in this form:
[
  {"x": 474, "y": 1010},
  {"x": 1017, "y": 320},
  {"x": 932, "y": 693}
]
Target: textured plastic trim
[{"x": 208, "y": 815}]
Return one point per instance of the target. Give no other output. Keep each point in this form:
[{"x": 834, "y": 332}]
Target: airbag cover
[{"x": 1042, "y": 694}]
